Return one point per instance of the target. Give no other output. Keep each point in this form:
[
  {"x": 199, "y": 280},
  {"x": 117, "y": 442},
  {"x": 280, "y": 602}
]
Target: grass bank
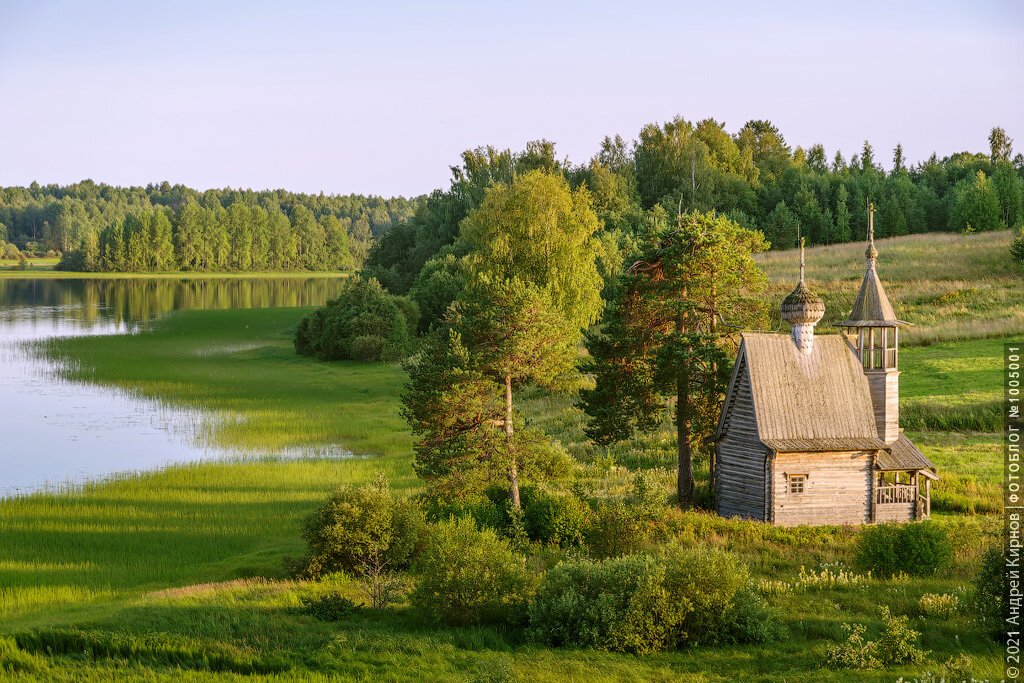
[{"x": 240, "y": 368}]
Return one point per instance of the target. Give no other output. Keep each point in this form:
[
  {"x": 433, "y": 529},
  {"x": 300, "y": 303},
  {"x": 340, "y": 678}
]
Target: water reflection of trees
[{"x": 128, "y": 300}]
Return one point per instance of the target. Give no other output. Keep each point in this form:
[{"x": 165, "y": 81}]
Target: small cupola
[
  {"x": 802, "y": 309},
  {"x": 872, "y": 320}
]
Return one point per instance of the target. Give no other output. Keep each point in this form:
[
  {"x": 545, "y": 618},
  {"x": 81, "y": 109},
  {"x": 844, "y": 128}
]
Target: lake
[{"x": 55, "y": 433}]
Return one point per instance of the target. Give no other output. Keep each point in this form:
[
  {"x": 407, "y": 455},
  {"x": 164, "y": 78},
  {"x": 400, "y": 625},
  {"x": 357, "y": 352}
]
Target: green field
[
  {"x": 34, "y": 266},
  {"x": 952, "y": 286},
  {"x": 179, "y": 573}
]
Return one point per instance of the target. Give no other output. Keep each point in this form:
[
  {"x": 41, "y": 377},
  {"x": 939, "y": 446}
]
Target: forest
[
  {"x": 753, "y": 177},
  {"x": 97, "y": 227}
]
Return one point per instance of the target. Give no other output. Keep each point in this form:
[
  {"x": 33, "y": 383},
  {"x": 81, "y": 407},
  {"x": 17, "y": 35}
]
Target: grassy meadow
[
  {"x": 33, "y": 266},
  {"x": 952, "y": 287},
  {"x": 179, "y": 573}
]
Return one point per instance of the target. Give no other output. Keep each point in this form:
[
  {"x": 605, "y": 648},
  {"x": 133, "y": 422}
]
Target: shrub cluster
[
  {"x": 330, "y": 606},
  {"x": 619, "y": 604},
  {"x": 607, "y": 528},
  {"x": 991, "y": 588},
  {"x": 556, "y": 519},
  {"x": 896, "y": 645},
  {"x": 639, "y": 603},
  {"x": 359, "y": 528},
  {"x": 363, "y": 323},
  {"x": 915, "y": 549},
  {"x": 470, "y": 576}
]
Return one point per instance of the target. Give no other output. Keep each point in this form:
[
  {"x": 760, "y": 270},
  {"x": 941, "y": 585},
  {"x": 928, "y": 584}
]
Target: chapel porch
[{"x": 902, "y": 496}]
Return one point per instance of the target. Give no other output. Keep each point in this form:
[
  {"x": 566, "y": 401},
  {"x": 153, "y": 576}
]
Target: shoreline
[{"x": 185, "y": 275}]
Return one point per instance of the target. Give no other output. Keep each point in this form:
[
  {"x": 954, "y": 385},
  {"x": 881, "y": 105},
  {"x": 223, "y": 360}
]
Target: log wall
[
  {"x": 896, "y": 512},
  {"x": 885, "y": 401},
  {"x": 740, "y": 456},
  {"x": 837, "y": 490}
]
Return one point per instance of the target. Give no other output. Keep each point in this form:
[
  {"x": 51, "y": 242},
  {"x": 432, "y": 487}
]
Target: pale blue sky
[{"x": 382, "y": 97}]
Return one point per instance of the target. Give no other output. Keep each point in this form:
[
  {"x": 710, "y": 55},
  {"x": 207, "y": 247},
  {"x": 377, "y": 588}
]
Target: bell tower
[{"x": 873, "y": 328}]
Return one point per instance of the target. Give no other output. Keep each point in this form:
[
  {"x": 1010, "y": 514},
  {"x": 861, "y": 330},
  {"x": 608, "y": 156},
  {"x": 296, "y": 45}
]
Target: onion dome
[
  {"x": 802, "y": 306},
  {"x": 871, "y": 253}
]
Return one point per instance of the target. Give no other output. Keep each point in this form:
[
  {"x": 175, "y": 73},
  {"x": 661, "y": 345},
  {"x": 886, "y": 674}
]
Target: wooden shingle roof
[
  {"x": 820, "y": 395},
  {"x": 814, "y": 403},
  {"x": 872, "y": 307},
  {"x": 853, "y": 443},
  {"x": 902, "y": 454}
]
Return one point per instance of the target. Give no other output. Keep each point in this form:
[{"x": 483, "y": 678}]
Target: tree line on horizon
[
  {"x": 98, "y": 227},
  {"x": 752, "y": 177}
]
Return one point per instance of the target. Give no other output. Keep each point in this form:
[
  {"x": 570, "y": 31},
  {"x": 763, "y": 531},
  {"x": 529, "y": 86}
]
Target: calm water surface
[{"x": 54, "y": 433}]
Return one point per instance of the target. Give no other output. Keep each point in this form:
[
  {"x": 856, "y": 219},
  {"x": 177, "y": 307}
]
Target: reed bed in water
[{"x": 239, "y": 368}]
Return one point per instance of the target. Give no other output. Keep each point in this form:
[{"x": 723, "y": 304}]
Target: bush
[
  {"x": 917, "y": 549},
  {"x": 363, "y": 323},
  {"x": 637, "y": 603},
  {"x": 9, "y": 250},
  {"x": 896, "y": 645},
  {"x": 484, "y": 511},
  {"x": 898, "y": 642},
  {"x": 1017, "y": 247},
  {"x": 991, "y": 588},
  {"x": 367, "y": 348},
  {"x": 558, "y": 519},
  {"x": 330, "y": 606},
  {"x": 616, "y": 529},
  {"x": 469, "y": 576},
  {"x": 619, "y": 604},
  {"x": 958, "y": 668},
  {"x": 360, "y": 526},
  {"x": 749, "y": 619},
  {"x": 709, "y": 580},
  {"x": 852, "y": 653}
]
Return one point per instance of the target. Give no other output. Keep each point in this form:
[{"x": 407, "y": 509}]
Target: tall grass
[{"x": 184, "y": 524}]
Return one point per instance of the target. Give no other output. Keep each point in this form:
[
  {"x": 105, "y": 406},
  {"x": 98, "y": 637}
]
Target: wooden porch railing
[{"x": 896, "y": 493}]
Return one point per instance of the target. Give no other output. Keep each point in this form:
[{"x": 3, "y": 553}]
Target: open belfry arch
[{"x": 809, "y": 430}]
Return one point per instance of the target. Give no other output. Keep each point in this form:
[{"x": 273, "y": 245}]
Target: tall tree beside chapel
[
  {"x": 533, "y": 288},
  {"x": 669, "y": 334}
]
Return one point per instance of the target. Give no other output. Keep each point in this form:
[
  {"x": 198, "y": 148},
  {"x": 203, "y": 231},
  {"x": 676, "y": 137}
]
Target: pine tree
[
  {"x": 898, "y": 163},
  {"x": 504, "y": 334},
  {"x": 842, "y": 215},
  {"x": 664, "y": 337}
]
